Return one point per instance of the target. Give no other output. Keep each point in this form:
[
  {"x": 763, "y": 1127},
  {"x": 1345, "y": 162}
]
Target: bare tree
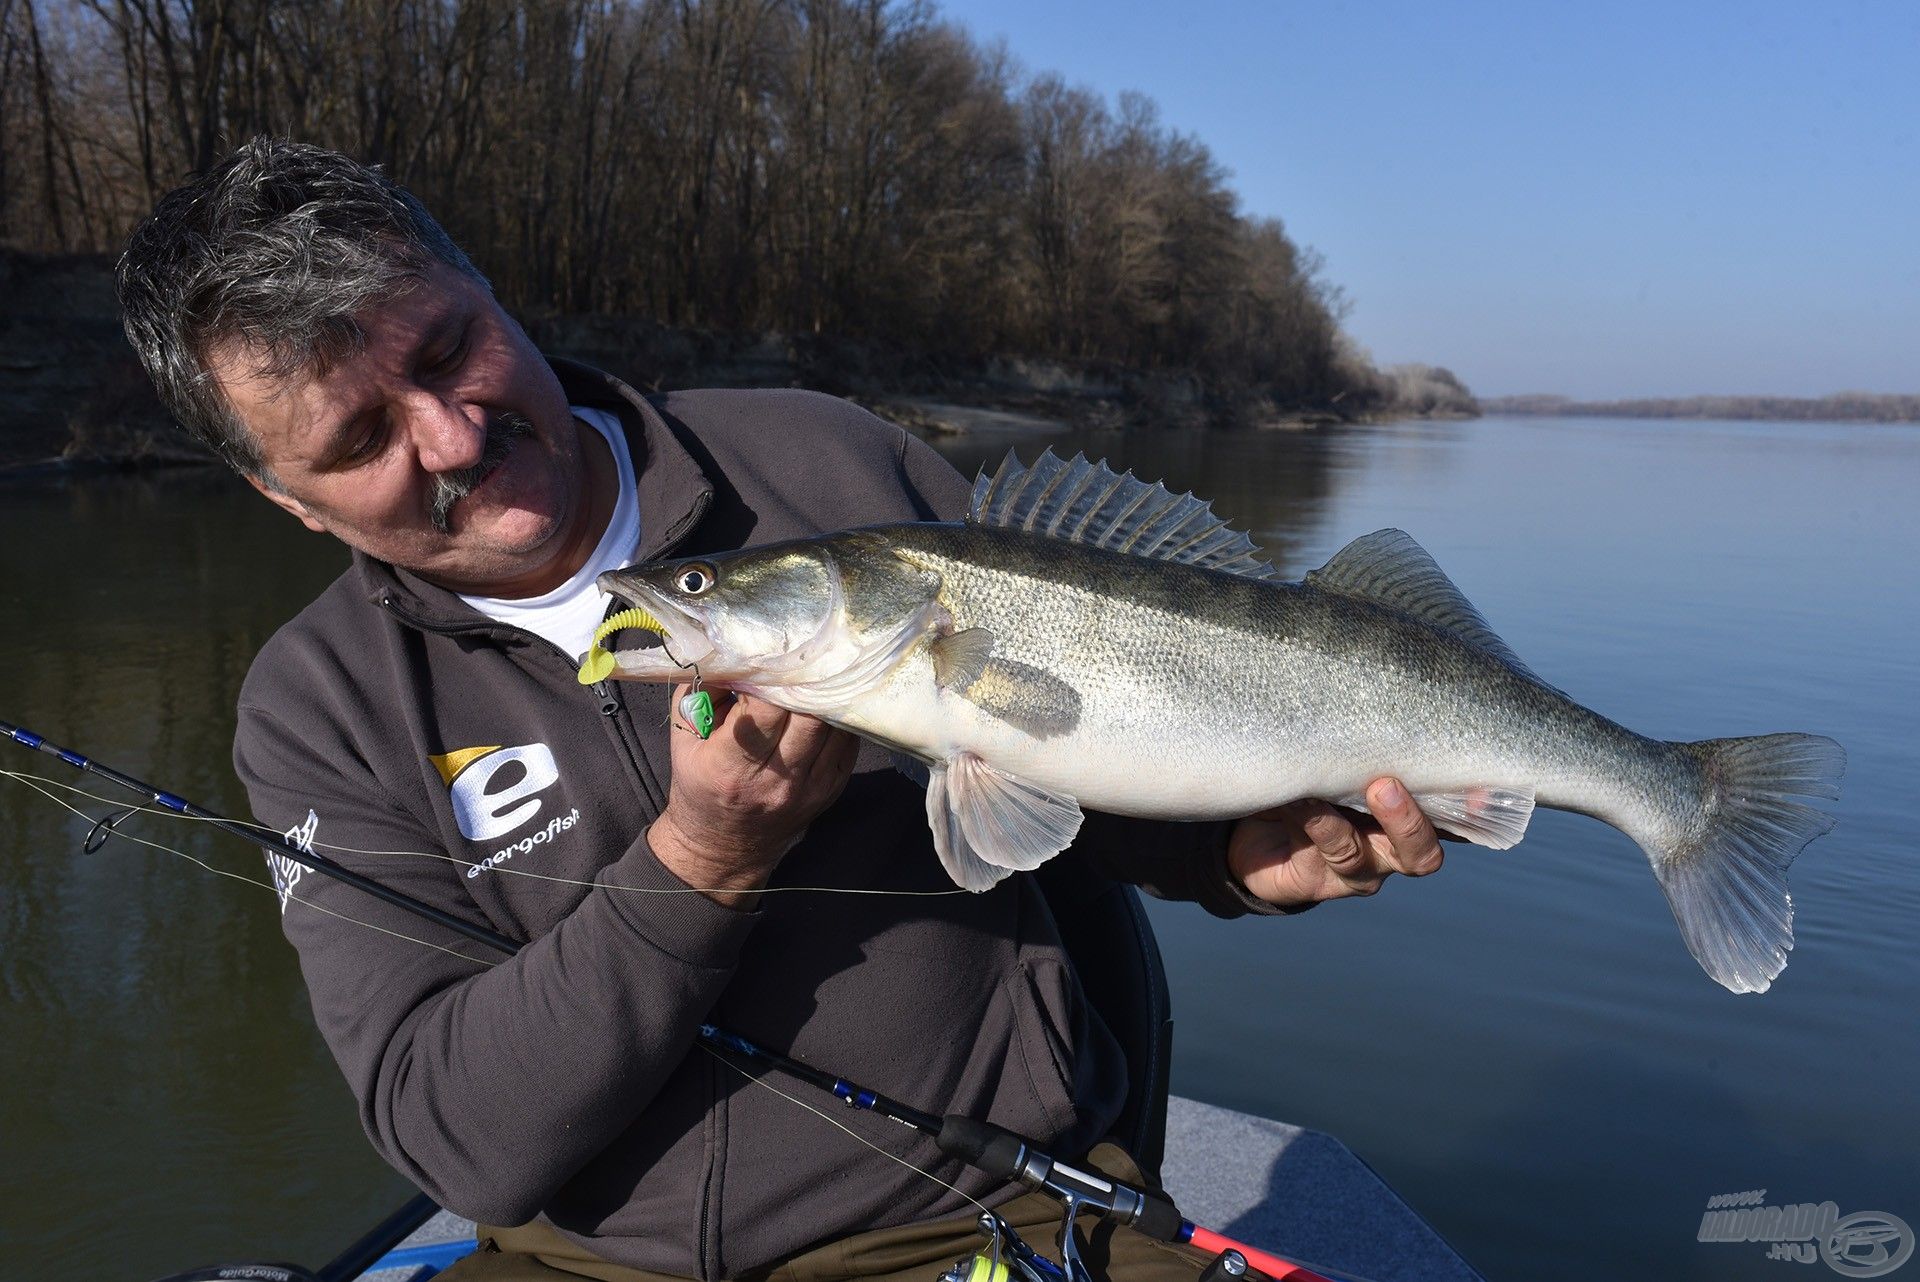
[{"x": 842, "y": 168}]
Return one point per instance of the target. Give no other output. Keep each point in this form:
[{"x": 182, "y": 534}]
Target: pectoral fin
[
  {"x": 960, "y": 657},
  {"x": 987, "y": 823},
  {"x": 1496, "y": 818}
]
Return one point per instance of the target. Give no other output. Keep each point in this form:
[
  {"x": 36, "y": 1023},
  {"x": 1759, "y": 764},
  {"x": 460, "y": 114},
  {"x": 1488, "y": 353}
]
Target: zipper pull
[{"x": 609, "y": 701}]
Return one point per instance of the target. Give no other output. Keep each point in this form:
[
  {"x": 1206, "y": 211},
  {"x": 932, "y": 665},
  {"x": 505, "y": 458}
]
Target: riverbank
[
  {"x": 1841, "y": 407},
  {"x": 73, "y": 398}
]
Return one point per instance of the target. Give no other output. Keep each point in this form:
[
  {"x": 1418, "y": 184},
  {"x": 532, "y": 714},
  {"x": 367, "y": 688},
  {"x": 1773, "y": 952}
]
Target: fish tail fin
[{"x": 1725, "y": 872}]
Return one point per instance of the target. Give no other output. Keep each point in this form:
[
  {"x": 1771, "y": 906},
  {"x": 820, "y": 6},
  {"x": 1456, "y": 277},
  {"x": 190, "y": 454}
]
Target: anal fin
[
  {"x": 987, "y": 823},
  {"x": 1496, "y": 818}
]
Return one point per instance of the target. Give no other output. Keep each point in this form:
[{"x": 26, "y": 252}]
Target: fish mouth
[{"x": 665, "y": 653}]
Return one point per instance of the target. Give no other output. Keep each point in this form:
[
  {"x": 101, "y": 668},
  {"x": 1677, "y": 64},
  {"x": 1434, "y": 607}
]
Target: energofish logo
[
  {"x": 493, "y": 788},
  {"x": 539, "y": 836}
]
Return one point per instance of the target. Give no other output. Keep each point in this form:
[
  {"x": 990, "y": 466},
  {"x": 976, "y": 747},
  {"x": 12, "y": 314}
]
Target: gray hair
[{"x": 274, "y": 248}]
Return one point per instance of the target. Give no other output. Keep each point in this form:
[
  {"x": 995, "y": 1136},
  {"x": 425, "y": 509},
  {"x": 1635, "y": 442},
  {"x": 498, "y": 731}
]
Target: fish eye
[{"x": 695, "y": 579}]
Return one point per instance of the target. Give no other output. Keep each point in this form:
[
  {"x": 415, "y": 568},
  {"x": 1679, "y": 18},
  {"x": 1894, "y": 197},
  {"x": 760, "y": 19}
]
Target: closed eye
[
  {"x": 450, "y": 360},
  {"x": 368, "y": 442}
]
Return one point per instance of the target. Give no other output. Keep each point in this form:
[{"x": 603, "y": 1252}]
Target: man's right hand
[{"x": 739, "y": 800}]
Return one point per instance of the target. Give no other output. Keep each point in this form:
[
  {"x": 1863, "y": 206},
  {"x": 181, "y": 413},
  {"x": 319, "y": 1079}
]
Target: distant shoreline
[{"x": 1842, "y": 407}]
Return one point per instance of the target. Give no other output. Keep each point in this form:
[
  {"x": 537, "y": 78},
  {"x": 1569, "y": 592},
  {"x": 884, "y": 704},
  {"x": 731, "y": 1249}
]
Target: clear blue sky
[{"x": 1596, "y": 199}]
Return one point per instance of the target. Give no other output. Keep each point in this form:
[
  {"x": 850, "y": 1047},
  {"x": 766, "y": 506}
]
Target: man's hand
[
  {"x": 738, "y": 801},
  {"x": 1296, "y": 855}
]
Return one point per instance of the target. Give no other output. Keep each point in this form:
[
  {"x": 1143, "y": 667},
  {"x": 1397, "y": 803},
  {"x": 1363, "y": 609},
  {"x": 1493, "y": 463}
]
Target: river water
[{"x": 1520, "y": 1044}]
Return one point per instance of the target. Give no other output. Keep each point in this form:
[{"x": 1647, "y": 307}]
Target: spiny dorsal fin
[
  {"x": 1388, "y": 568},
  {"x": 1090, "y": 503}
]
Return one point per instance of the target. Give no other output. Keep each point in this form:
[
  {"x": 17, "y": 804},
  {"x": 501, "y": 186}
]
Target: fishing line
[
  {"x": 101, "y": 829},
  {"x": 224, "y": 872},
  {"x": 831, "y": 1120},
  {"x": 35, "y": 782},
  {"x": 32, "y": 780}
]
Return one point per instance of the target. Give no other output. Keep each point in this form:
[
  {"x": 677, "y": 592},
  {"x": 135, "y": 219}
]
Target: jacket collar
[{"x": 674, "y": 495}]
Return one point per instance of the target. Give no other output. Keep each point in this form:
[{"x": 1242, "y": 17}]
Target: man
[{"x": 421, "y": 721}]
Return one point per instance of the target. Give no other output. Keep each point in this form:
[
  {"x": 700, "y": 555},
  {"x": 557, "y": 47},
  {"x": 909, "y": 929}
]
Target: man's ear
[{"x": 287, "y": 503}]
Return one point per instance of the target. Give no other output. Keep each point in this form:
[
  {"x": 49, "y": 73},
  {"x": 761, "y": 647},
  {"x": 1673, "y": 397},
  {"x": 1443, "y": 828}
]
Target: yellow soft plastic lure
[{"x": 599, "y": 663}]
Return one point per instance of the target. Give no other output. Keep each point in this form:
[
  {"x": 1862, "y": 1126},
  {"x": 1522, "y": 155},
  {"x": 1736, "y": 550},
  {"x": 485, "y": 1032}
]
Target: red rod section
[{"x": 1272, "y": 1265}]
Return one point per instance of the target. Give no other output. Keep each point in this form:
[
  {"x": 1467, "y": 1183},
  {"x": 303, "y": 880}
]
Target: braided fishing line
[
  {"x": 831, "y": 1120},
  {"x": 500, "y": 869},
  {"x": 29, "y": 781},
  {"x": 35, "y": 783}
]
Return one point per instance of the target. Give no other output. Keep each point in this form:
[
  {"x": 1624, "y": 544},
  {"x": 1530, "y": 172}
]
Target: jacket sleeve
[
  {"x": 1180, "y": 861},
  {"x": 462, "y": 1060},
  {"x": 1168, "y": 860},
  {"x": 934, "y": 482}
]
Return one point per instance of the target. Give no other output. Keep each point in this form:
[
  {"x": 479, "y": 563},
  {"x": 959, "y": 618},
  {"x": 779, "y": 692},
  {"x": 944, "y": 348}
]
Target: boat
[{"x": 1297, "y": 1192}]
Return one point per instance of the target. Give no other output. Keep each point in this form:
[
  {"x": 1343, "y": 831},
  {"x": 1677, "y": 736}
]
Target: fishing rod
[
  {"x": 988, "y": 1148},
  {"x": 996, "y": 1151},
  {"x": 267, "y": 840}
]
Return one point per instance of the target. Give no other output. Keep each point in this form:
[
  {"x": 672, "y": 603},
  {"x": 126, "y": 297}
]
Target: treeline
[
  {"x": 1848, "y": 407},
  {"x": 852, "y": 168}
]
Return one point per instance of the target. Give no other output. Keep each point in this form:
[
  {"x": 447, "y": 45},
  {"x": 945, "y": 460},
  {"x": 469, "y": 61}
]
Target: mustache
[{"x": 450, "y": 487}]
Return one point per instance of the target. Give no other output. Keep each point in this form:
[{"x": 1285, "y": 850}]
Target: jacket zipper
[
  {"x": 610, "y": 702},
  {"x": 610, "y": 705},
  {"x": 708, "y": 1203}
]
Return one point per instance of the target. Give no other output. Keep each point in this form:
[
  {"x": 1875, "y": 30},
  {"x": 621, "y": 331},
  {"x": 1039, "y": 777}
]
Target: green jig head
[{"x": 696, "y": 709}]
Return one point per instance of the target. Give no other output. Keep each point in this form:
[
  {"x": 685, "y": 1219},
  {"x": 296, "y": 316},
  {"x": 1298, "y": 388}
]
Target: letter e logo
[{"x": 491, "y": 799}]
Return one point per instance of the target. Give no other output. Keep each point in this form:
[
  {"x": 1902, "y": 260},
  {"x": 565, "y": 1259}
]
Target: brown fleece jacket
[{"x": 443, "y": 753}]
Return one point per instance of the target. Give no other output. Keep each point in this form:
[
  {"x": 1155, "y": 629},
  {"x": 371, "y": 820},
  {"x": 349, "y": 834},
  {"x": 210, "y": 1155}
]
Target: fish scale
[{"x": 1087, "y": 638}]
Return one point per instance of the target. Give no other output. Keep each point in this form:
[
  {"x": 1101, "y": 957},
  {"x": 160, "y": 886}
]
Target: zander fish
[{"x": 1085, "y": 638}]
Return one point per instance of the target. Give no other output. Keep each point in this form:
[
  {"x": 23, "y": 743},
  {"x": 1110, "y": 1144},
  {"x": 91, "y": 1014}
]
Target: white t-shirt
[{"x": 569, "y": 615}]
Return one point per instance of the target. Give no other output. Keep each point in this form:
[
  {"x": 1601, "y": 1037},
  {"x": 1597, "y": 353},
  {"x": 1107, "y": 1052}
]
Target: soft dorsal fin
[
  {"x": 1388, "y": 568},
  {"x": 1090, "y": 503}
]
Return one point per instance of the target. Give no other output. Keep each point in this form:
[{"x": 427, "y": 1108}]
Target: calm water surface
[{"x": 1521, "y": 1044}]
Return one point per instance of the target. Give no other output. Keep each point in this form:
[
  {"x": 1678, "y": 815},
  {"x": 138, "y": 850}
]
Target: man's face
[{"x": 364, "y": 450}]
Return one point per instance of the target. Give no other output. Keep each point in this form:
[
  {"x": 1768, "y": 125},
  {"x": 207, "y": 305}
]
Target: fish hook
[{"x": 696, "y": 705}]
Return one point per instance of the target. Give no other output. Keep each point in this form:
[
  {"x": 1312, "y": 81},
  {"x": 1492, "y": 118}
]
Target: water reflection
[
  {"x": 1521, "y": 1044},
  {"x": 168, "y": 1101}
]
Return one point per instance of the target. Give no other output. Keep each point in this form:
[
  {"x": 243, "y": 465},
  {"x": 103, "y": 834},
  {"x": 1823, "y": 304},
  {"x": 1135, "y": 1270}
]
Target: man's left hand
[{"x": 1296, "y": 855}]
